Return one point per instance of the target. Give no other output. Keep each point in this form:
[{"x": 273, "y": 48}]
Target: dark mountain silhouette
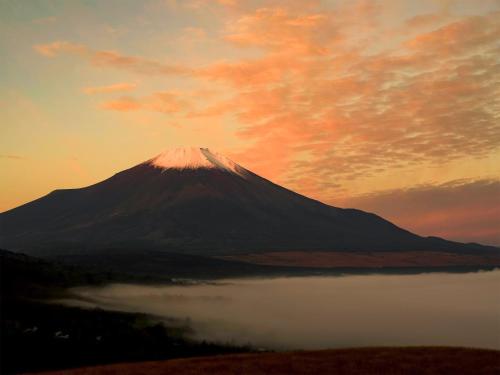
[{"x": 196, "y": 201}]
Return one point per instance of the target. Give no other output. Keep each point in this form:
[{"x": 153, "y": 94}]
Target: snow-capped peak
[{"x": 194, "y": 158}]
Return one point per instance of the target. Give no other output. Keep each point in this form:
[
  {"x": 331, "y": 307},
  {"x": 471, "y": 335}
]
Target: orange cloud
[
  {"x": 228, "y": 2},
  {"x": 250, "y": 72},
  {"x": 111, "y": 59},
  {"x": 277, "y": 29},
  {"x": 425, "y": 20},
  {"x": 117, "y": 87},
  {"x": 329, "y": 100},
  {"x": 123, "y": 104},
  {"x": 163, "y": 102},
  {"x": 54, "y": 48},
  {"x": 352, "y": 114},
  {"x": 465, "y": 35},
  {"x": 463, "y": 210}
]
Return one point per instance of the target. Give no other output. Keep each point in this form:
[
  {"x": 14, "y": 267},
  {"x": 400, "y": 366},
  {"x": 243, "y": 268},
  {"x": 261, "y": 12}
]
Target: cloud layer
[{"x": 324, "y": 103}]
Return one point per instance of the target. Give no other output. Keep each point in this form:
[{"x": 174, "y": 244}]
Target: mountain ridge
[{"x": 198, "y": 201}]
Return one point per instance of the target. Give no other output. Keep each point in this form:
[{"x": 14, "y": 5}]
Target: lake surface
[{"x": 325, "y": 312}]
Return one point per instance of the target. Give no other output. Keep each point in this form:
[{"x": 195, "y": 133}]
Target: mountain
[{"x": 196, "y": 201}]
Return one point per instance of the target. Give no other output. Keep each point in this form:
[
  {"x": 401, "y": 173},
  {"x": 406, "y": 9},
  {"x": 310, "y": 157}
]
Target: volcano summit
[
  {"x": 197, "y": 201},
  {"x": 195, "y": 158}
]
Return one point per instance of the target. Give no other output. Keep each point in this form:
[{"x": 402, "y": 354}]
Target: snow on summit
[{"x": 194, "y": 158}]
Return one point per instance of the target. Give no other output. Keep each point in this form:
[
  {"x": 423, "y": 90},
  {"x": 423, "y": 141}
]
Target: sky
[{"x": 389, "y": 106}]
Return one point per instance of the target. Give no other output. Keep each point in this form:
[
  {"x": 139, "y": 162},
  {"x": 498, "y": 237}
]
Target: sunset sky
[{"x": 389, "y": 106}]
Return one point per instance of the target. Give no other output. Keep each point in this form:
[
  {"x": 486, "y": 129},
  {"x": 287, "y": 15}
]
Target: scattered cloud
[
  {"x": 333, "y": 97},
  {"x": 463, "y": 210},
  {"x": 123, "y": 104},
  {"x": 352, "y": 113},
  {"x": 164, "y": 102},
  {"x": 276, "y": 29},
  {"x": 229, "y": 3},
  {"x": 425, "y": 20},
  {"x": 326, "y": 97},
  {"x": 111, "y": 59}
]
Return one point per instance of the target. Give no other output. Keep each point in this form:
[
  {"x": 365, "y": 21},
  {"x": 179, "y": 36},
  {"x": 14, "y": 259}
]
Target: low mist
[{"x": 325, "y": 312}]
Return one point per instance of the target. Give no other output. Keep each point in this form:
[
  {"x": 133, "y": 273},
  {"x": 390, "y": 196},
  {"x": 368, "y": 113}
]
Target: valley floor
[{"x": 410, "y": 360}]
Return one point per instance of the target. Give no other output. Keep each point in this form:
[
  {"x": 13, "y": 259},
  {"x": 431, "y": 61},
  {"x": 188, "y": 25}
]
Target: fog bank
[{"x": 325, "y": 312}]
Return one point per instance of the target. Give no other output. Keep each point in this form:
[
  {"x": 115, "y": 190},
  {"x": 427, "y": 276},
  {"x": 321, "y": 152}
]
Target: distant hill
[
  {"x": 29, "y": 277},
  {"x": 23, "y": 276}
]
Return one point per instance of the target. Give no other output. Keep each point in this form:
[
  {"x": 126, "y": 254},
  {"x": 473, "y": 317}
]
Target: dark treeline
[{"x": 37, "y": 335}]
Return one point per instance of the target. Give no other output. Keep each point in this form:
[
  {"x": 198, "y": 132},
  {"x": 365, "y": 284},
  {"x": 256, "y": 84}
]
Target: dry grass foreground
[{"x": 387, "y": 361}]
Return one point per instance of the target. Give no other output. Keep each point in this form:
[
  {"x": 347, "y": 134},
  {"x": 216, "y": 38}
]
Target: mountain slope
[{"x": 198, "y": 201}]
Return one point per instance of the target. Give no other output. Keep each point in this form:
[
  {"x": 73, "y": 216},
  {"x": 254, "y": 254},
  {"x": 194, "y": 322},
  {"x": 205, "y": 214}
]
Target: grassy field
[{"x": 387, "y": 361}]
